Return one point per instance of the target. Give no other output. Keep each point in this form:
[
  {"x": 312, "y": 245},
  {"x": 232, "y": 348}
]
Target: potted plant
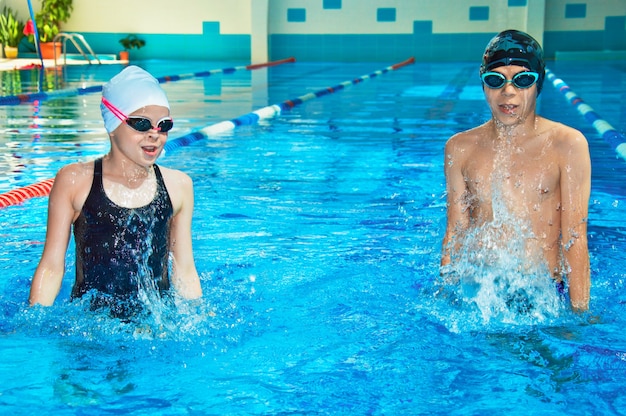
[
  {"x": 130, "y": 42},
  {"x": 48, "y": 20},
  {"x": 11, "y": 29}
]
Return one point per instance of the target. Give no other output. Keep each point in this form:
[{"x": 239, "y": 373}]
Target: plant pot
[
  {"x": 10, "y": 52},
  {"x": 47, "y": 50},
  {"x": 124, "y": 56}
]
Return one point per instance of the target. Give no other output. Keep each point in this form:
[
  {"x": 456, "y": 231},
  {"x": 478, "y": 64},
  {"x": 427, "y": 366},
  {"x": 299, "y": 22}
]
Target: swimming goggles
[
  {"x": 141, "y": 124},
  {"x": 495, "y": 80}
]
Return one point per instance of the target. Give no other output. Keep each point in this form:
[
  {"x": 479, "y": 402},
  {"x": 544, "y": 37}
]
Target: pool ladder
[{"x": 79, "y": 43}]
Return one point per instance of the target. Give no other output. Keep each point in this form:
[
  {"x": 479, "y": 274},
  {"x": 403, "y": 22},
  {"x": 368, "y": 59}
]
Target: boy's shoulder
[
  {"x": 470, "y": 137},
  {"x": 558, "y": 128},
  {"x": 561, "y": 134}
]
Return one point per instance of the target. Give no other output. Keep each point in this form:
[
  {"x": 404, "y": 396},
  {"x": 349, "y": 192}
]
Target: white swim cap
[{"x": 128, "y": 91}]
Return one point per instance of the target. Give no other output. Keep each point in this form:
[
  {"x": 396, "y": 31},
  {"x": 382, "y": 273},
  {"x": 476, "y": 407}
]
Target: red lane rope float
[
  {"x": 273, "y": 63},
  {"x": 19, "y": 195},
  {"x": 42, "y": 96}
]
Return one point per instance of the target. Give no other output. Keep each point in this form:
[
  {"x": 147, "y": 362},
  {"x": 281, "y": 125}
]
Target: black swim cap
[{"x": 513, "y": 47}]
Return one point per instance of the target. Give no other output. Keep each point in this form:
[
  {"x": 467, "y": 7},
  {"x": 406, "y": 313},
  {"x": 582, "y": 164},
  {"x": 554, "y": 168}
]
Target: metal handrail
[{"x": 64, "y": 37}]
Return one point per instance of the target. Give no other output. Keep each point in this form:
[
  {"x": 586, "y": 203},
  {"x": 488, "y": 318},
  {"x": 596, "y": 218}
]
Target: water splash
[
  {"x": 492, "y": 284},
  {"x": 218, "y": 321}
]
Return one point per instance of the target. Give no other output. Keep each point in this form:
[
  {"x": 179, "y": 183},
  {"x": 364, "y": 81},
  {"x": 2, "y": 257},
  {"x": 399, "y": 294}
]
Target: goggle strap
[{"x": 116, "y": 112}]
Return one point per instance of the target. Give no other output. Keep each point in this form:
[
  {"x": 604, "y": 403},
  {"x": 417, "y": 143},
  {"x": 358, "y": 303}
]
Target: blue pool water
[{"x": 317, "y": 235}]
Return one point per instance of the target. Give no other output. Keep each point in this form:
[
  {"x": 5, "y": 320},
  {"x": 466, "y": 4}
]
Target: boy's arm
[
  {"x": 575, "y": 190},
  {"x": 185, "y": 276},
  {"x": 457, "y": 216}
]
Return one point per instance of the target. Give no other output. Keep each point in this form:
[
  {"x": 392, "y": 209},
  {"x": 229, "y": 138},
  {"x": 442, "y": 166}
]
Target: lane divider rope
[
  {"x": 19, "y": 195},
  {"x": 42, "y": 96},
  {"x": 610, "y": 135},
  {"x": 272, "y": 110}
]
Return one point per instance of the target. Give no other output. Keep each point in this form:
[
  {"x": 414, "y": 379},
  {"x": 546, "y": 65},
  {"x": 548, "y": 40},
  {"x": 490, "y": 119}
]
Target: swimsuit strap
[{"x": 97, "y": 169}]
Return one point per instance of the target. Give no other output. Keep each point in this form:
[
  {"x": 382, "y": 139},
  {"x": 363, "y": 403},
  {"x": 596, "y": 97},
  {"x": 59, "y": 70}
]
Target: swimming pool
[{"x": 317, "y": 236}]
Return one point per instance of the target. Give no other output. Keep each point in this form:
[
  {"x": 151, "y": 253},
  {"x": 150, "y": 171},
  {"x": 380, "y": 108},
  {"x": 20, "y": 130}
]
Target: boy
[{"x": 520, "y": 175}]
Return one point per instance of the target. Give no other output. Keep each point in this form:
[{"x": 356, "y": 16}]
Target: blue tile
[
  {"x": 614, "y": 36},
  {"x": 296, "y": 15},
  {"x": 211, "y": 27},
  {"x": 332, "y": 4},
  {"x": 479, "y": 13},
  {"x": 575, "y": 11},
  {"x": 386, "y": 14},
  {"x": 518, "y": 3},
  {"x": 423, "y": 27}
]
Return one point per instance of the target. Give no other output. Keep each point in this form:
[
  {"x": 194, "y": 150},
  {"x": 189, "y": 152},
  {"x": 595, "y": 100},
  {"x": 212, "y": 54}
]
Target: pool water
[{"x": 317, "y": 235}]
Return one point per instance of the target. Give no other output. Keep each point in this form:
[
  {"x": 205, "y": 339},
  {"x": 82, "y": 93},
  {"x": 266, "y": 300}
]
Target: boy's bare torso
[{"x": 515, "y": 177}]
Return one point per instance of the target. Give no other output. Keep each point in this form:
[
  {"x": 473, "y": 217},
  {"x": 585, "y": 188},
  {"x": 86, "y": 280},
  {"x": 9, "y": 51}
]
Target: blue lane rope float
[
  {"x": 610, "y": 135},
  {"x": 41, "y": 189},
  {"x": 42, "y": 96},
  {"x": 272, "y": 110}
]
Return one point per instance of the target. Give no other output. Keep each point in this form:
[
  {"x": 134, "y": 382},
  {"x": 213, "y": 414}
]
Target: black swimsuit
[{"x": 120, "y": 251}]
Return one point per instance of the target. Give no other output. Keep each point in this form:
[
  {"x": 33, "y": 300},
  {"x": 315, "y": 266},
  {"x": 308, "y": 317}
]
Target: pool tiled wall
[
  {"x": 453, "y": 30},
  {"x": 343, "y": 30}
]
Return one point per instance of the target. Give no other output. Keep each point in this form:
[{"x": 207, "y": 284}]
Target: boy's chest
[{"x": 528, "y": 174}]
